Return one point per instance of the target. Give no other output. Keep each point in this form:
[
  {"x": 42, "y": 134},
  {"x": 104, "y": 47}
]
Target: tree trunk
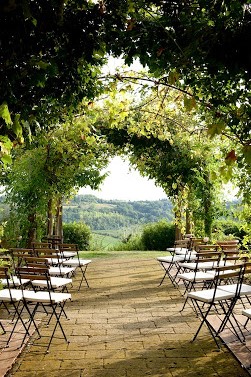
[
  {"x": 177, "y": 226},
  {"x": 59, "y": 220},
  {"x": 32, "y": 229},
  {"x": 208, "y": 210},
  {"x": 188, "y": 222},
  {"x": 49, "y": 219}
]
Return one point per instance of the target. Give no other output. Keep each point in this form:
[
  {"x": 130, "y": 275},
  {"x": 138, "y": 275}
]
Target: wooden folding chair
[
  {"x": 55, "y": 261},
  {"x": 69, "y": 250},
  {"x": 45, "y": 299},
  {"x": 200, "y": 272},
  {"x": 41, "y": 245},
  {"x": 18, "y": 254},
  {"x": 56, "y": 284},
  {"x": 219, "y": 297},
  {"x": 14, "y": 298},
  {"x": 179, "y": 247}
]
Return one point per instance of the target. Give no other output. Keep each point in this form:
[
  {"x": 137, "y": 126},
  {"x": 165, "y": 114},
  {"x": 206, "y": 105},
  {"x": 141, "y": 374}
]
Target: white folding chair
[
  {"x": 218, "y": 297},
  {"x": 71, "y": 253},
  {"x": 199, "y": 272},
  {"x": 55, "y": 260},
  {"x": 14, "y": 298},
  {"x": 55, "y": 283},
  {"x": 53, "y": 301}
]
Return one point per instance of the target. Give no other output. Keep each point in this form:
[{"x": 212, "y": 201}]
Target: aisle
[{"x": 127, "y": 326}]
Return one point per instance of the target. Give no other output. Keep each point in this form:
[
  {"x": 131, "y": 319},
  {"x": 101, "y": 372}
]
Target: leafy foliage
[
  {"x": 50, "y": 170},
  {"x": 171, "y": 146},
  {"x": 78, "y": 233},
  {"x": 158, "y": 236}
]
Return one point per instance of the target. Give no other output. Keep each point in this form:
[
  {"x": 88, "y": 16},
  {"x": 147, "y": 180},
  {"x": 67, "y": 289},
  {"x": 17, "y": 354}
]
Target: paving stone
[{"x": 126, "y": 326}]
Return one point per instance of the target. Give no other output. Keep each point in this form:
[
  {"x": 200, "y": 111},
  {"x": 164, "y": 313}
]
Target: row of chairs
[
  {"x": 228, "y": 288},
  {"x": 195, "y": 252},
  {"x": 63, "y": 260},
  {"x": 212, "y": 275},
  {"x": 35, "y": 279}
]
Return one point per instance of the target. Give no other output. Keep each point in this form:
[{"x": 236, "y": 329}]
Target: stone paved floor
[{"x": 127, "y": 326}]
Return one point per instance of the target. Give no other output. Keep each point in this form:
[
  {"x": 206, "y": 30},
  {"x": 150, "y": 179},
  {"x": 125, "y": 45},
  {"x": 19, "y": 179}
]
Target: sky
[{"x": 124, "y": 183}]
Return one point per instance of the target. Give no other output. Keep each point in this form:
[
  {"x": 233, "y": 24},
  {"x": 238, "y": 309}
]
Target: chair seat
[
  {"x": 61, "y": 271},
  {"x": 247, "y": 312},
  {"x": 56, "y": 282},
  {"x": 10, "y": 295},
  {"x": 55, "y": 261},
  {"x": 209, "y": 295},
  {"x": 14, "y": 281},
  {"x": 46, "y": 297},
  {"x": 68, "y": 254},
  {"x": 76, "y": 262},
  {"x": 196, "y": 276},
  {"x": 199, "y": 266},
  {"x": 244, "y": 290},
  {"x": 171, "y": 259},
  {"x": 185, "y": 252},
  {"x": 175, "y": 249}
]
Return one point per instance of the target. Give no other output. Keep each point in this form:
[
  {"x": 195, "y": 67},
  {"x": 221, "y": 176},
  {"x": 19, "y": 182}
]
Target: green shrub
[
  {"x": 229, "y": 229},
  {"x": 158, "y": 236},
  {"x": 78, "y": 233},
  {"x": 133, "y": 243}
]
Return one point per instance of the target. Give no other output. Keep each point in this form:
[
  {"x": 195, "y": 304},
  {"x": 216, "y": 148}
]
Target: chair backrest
[
  {"x": 69, "y": 247},
  {"x": 53, "y": 240},
  {"x": 46, "y": 253},
  {"x": 206, "y": 247},
  {"x": 4, "y": 272},
  {"x": 34, "y": 272},
  {"x": 230, "y": 272},
  {"x": 228, "y": 243},
  {"x": 6, "y": 275},
  {"x": 207, "y": 256},
  {"x": 36, "y": 262},
  {"x": 194, "y": 242},
  {"x": 6, "y": 259},
  {"x": 51, "y": 255},
  {"x": 41, "y": 245},
  {"x": 18, "y": 255},
  {"x": 247, "y": 268}
]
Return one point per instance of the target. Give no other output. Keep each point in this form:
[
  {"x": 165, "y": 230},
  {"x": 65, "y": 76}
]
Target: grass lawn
[{"x": 121, "y": 254}]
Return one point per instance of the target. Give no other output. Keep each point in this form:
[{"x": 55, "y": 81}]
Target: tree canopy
[
  {"x": 50, "y": 52},
  {"x": 51, "y": 55}
]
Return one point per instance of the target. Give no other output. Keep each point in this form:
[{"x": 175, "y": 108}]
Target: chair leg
[
  {"x": 58, "y": 323},
  {"x": 163, "y": 278},
  {"x": 83, "y": 271},
  {"x": 230, "y": 317},
  {"x": 205, "y": 320},
  {"x": 31, "y": 320},
  {"x": 18, "y": 317}
]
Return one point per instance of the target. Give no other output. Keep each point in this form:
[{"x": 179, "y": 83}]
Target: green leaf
[
  {"x": 17, "y": 128},
  {"x": 5, "y": 114},
  {"x": 247, "y": 153},
  {"x": 216, "y": 128},
  {"x": 189, "y": 103},
  {"x": 6, "y": 159},
  {"x": 5, "y": 144},
  {"x": 42, "y": 64},
  {"x": 173, "y": 77}
]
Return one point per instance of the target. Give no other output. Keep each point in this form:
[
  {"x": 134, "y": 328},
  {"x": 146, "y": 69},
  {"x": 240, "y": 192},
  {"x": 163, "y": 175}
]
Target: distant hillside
[{"x": 102, "y": 214}]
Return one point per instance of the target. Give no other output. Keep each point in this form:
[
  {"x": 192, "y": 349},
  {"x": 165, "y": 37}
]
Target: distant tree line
[{"x": 101, "y": 214}]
